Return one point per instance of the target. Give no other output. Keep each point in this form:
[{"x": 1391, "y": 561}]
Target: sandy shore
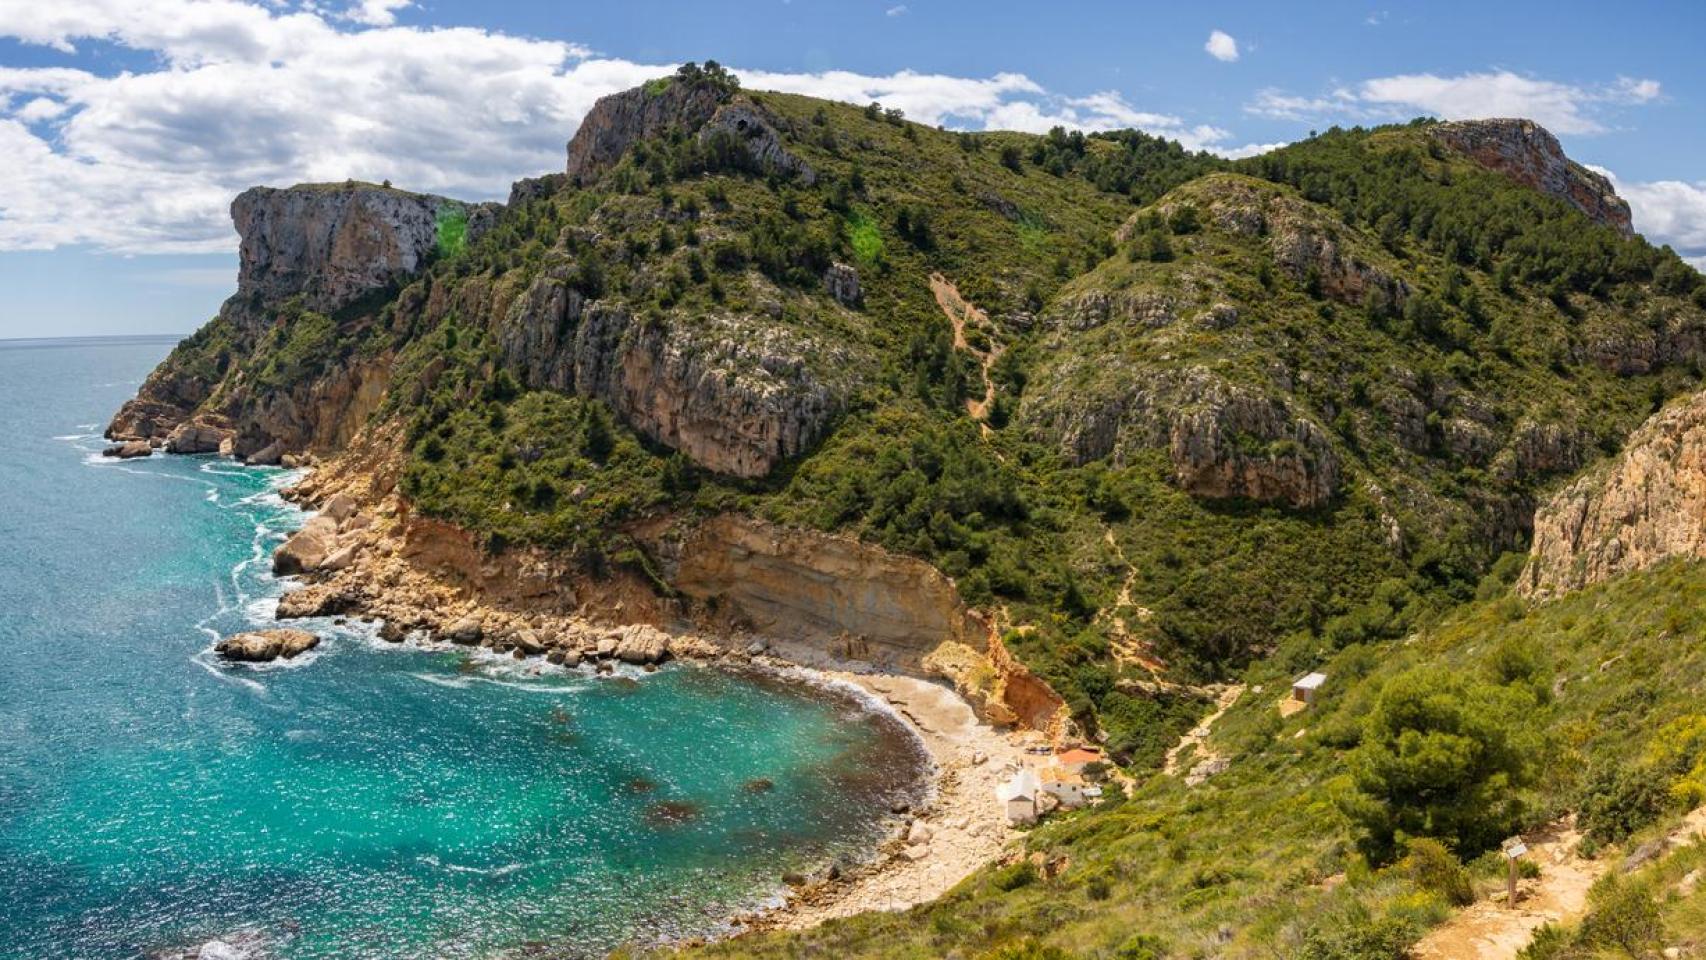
[{"x": 964, "y": 823}]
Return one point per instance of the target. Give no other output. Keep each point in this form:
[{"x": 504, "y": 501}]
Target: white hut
[
  {"x": 1068, "y": 787},
  {"x": 1305, "y": 688},
  {"x": 1019, "y": 795}
]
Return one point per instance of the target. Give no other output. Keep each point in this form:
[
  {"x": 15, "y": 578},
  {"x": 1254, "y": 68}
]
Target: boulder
[
  {"x": 341, "y": 557},
  {"x": 306, "y": 549},
  {"x": 842, "y": 282},
  {"x": 267, "y": 456},
  {"x": 129, "y": 449},
  {"x": 197, "y": 436},
  {"x": 466, "y": 631},
  {"x": 918, "y": 833},
  {"x": 340, "y": 507},
  {"x": 642, "y": 644},
  {"x": 264, "y": 646},
  {"x": 528, "y": 642},
  {"x": 317, "y": 600}
]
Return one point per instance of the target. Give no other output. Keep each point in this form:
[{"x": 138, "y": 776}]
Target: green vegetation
[{"x": 452, "y": 223}]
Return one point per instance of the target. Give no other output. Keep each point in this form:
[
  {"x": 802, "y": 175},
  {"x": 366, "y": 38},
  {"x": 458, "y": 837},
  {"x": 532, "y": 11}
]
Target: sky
[{"x": 126, "y": 126}]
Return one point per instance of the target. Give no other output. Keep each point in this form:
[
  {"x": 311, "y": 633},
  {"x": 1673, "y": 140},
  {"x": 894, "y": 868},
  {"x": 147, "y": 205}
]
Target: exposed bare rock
[
  {"x": 307, "y": 548},
  {"x": 841, "y": 281},
  {"x": 1144, "y": 309},
  {"x": 197, "y": 436},
  {"x": 641, "y": 644},
  {"x": 616, "y": 121},
  {"x": 1224, "y": 439},
  {"x": 467, "y": 630},
  {"x": 529, "y": 189},
  {"x": 753, "y": 128},
  {"x": 736, "y": 394},
  {"x": 806, "y": 585},
  {"x": 264, "y": 646},
  {"x": 1310, "y": 255},
  {"x": 1646, "y": 505},
  {"x": 331, "y": 244},
  {"x": 1529, "y": 154},
  {"x": 129, "y": 449}
]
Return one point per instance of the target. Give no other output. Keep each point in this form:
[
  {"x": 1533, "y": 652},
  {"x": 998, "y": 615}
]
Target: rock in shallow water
[
  {"x": 129, "y": 449},
  {"x": 263, "y": 646}
]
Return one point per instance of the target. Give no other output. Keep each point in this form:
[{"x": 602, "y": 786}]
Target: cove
[{"x": 365, "y": 800}]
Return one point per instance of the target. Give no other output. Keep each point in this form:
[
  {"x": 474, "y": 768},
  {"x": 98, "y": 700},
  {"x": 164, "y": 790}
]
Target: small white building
[
  {"x": 1019, "y": 795},
  {"x": 1306, "y": 687},
  {"x": 1069, "y": 787}
]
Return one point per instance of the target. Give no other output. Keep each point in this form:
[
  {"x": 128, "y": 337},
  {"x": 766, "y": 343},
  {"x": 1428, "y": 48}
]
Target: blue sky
[{"x": 134, "y": 121}]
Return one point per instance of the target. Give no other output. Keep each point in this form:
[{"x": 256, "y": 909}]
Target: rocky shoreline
[{"x": 351, "y": 560}]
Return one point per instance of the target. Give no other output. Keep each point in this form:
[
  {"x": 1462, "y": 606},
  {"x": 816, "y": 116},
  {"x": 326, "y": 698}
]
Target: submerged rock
[{"x": 264, "y": 646}]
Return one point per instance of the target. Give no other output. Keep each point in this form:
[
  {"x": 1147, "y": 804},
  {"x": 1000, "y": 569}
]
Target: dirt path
[
  {"x": 1489, "y": 930},
  {"x": 1198, "y": 736},
  {"x": 961, "y": 313}
]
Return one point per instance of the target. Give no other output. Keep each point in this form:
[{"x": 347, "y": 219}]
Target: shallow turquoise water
[{"x": 373, "y": 800}]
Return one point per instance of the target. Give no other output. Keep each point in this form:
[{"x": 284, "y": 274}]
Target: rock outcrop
[
  {"x": 1222, "y": 438},
  {"x": 1529, "y": 154},
  {"x": 332, "y": 244},
  {"x": 736, "y": 394},
  {"x": 265, "y": 646},
  {"x": 619, "y": 120},
  {"x": 1647, "y": 505},
  {"x": 129, "y": 450}
]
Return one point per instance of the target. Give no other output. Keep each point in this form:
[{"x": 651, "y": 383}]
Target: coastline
[{"x": 958, "y": 827}]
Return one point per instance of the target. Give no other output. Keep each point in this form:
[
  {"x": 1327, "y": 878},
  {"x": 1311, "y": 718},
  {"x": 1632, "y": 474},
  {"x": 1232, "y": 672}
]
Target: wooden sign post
[{"x": 1514, "y": 849}]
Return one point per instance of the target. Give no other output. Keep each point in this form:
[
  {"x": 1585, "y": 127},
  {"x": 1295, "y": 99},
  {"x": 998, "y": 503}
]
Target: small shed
[
  {"x": 1305, "y": 688},
  {"x": 1018, "y": 796}
]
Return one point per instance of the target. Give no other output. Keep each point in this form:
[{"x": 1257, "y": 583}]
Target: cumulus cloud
[
  {"x": 1561, "y": 107},
  {"x": 1668, "y": 211},
  {"x": 1221, "y": 46},
  {"x": 376, "y": 13},
  {"x": 242, "y": 93}
]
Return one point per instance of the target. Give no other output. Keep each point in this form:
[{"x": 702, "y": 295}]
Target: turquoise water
[{"x": 368, "y": 800}]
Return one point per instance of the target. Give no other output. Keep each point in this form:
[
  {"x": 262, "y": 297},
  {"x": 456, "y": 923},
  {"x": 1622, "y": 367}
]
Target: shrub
[
  {"x": 1021, "y": 873},
  {"x": 1623, "y": 915},
  {"x": 1618, "y": 799},
  {"x": 1432, "y": 867}
]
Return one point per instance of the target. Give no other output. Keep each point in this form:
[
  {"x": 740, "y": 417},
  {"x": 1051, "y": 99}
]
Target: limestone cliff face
[
  {"x": 806, "y": 585},
  {"x": 314, "y": 247},
  {"x": 1646, "y": 505},
  {"x": 619, "y": 120},
  {"x": 1223, "y": 439},
  {"x": 332, "y": 244},
  {"x": 1529, "y": 154},
  {"x": 736, "y": 394}
]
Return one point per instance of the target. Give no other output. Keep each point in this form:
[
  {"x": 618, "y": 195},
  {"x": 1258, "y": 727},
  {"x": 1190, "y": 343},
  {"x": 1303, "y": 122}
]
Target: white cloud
[
  {"x": 376, "y": 13},
  {"x": 1668, "y": 211},
  {"x": 243, "y": 94},
  {"x": 1221, "y": 46},
  {"x": 897, "y": 10},
  {"x": 1560, "y": 107}
]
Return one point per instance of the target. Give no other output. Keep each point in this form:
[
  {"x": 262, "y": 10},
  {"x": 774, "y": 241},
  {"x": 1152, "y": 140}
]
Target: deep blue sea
[{"x": 367, "y": 800}]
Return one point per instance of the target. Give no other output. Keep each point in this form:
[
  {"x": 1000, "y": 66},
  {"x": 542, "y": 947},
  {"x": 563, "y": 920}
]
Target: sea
[{"x": 365, "y": 799}]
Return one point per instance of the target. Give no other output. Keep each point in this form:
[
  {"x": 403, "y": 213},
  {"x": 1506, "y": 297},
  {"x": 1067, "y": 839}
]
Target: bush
[
  {"x": 1623, "y": 915},
  {"x": 1432, "y": 867},
  {"x": 1022, "y": 873},
  {"x": 1617, "y": 799}
]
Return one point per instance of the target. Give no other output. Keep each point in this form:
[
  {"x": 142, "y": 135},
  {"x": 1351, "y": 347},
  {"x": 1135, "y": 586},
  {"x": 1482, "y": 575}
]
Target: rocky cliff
[
  {"x": 331, "y": 244},
  {"x": 255, "y": 382},
  {"x": 736, "y": 393},
  {"x": 1529, "y": 154},
  {"x": 1645, "y": 506},
  {"x": 801, "y": 584}
]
